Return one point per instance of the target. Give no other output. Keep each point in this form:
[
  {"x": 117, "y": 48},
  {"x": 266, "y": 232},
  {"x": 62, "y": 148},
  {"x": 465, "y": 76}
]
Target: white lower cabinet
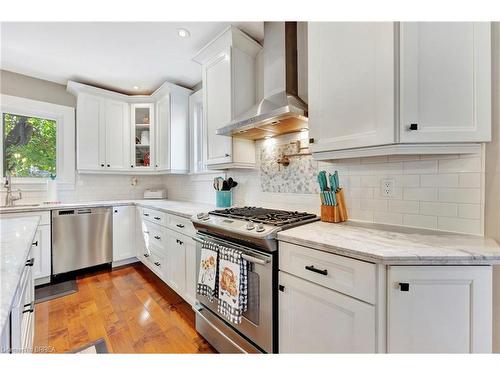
[
  {"x": 439, "y": 309},
  {"x": 169, "y": 253},
  {"x": 123, "y": 232},
  {"x": 315, "y": 319}
]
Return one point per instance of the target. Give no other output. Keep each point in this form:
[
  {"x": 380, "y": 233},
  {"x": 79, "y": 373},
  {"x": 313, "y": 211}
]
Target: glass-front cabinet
[{"x": 143, "y": 136}]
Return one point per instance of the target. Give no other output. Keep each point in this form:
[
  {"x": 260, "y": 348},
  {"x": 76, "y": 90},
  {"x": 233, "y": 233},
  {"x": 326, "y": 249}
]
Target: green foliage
[{"x": 36, "y": 156}]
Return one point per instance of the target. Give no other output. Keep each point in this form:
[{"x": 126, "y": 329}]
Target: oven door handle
[{"x": 251, "y": 259}]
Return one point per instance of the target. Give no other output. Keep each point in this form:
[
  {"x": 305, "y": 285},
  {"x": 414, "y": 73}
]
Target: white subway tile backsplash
[
  {"x": 460, "y": 195},
  {"x": 388, "y": 218},
  {"x": 420, "y": 167},
  {"x": 420, "y": 194},
  {"x": 420, "y": 221},
  {"x": 439, "y": 180},
  {"x": 404, "y": 207},
  {"x": 454, "y": 224},
  {"x": 407, "y": 180},
  {"x": 439, "y": 209},
  {"x": 373, "y": 204},
  {"x": 472, "y": 164},
  {"x": 469, "y": 211},
  {"x": 470, "y": 180}
]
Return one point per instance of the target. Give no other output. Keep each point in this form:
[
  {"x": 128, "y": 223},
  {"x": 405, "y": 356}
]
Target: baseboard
[{"x": 124, "y": 262}]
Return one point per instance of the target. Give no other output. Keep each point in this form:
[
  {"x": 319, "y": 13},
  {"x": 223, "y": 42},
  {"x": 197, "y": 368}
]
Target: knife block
[{"x": 335, "y": 214}]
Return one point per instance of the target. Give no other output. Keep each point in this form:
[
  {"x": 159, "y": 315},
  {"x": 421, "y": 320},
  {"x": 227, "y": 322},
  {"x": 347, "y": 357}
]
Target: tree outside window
[{"x": 29, "y": 146}]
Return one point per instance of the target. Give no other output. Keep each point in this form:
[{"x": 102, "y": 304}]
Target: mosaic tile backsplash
[{"x": 299, "y": 177}]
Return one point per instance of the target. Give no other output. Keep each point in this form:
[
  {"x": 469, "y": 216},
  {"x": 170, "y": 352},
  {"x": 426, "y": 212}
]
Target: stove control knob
[
  {"x": 201, "y": 215},
  {"x": 260, "y": 228},
  {"x": 250, "y": 225}
]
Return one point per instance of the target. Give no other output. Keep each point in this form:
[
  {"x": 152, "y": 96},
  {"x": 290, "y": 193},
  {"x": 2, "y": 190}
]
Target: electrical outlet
[{"x": 387, "y": 187}]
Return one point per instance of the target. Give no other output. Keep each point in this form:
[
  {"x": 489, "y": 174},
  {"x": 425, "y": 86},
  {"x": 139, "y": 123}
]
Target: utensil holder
[
  {"x": 223, "y": 198},
  {"x": 335, "y": 214}
]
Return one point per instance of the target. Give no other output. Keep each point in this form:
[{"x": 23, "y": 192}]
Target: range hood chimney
[{"x": 281, "y": 111}]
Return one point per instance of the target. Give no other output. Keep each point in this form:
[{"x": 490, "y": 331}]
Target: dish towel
[
  {"x": 207, "y": 277},
  {"x": 233, "y": 284}
]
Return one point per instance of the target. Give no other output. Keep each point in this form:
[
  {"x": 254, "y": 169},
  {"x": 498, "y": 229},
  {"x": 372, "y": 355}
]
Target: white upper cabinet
[
  {"x": 102, "y": 134},
  {"x": 445, "y": 82},
  {"x": 172, "y": 132},
  {"x": 351, "y": 84},
  {"x": 387, "y": 88},
  {"x": 125, "y": 134},
  {"x": 228, "y": 71},
  {"x": 439, "y": 309},
  {"x": 117, "y": 135},
  {"x": 143, "y": 133}
]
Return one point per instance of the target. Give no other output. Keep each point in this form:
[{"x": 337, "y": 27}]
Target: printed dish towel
[
  {"x": 233, "y": 284},
  {"x": 207, "y": 277}
]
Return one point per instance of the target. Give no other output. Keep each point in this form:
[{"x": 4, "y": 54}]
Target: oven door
[{"x": 257, "y": 322}]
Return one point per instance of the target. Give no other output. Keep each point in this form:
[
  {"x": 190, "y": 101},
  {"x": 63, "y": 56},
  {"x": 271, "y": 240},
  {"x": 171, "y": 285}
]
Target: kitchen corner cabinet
[
  {"x": 445, "y": 82},
  {"x": 142, "y": 147},
  {"x": 172, "y": 132},
  {"x": 439, "y": 309},
  {"x": 102, "y": 134},
  {"x": 351, "y": 84},
  {"x": 229, "y": 89},
  {"x": 123, "y": 232},
  {"x": 398, "y": 88}
]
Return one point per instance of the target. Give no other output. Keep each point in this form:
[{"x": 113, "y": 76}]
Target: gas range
[{"x": 253, "y": 226}]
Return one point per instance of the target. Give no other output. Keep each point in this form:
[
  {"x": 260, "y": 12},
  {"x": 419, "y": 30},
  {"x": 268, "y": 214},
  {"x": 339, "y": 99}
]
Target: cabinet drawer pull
[
  {"x": 146, "y": 214},
  {"x": 157, "y": 218},
  {"x": 146, "y": 255},
  {"x": 157, "y": 264},
  {"x": 109, "y": 165},
  {"x": 404, "y": 287},
  {"x": 413, "y": 127},
  {"x": 157, "y": 237},
  {"x": 179, "y": 242},
  {"x": 30, "y": 262},
  {"x": 313, "y": 269},
  {"x": 35, "y": 243},
  {"x": 102, "y": 165},
  {"x": 31, "y": 307},
  {"x": 179, "y": 225}
]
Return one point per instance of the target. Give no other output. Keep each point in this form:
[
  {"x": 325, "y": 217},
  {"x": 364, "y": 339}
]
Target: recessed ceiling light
[
  {"x": 304, "y": 129},
  {"x": 268, "y": 136},
  {"x": 183, "y": 33},
  {"x": 136, "y": 87}
]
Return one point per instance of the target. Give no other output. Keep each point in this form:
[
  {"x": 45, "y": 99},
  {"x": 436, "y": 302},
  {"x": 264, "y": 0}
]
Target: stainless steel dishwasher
[{"x": 81, "y": 238}]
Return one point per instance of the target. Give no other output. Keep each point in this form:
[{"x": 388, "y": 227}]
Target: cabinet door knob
[
  {"x": 227, "y": 155},
  {"x": 314, "y": 269},
  {"x": 35, "y": 243},
  {"x": 413, "y": 127},
  {"x": 281, "y": 288},
  {"x": 404, "y": 287},
  {"x": 157, "y": 264},
  {"x": 145, "y": 255},
  {"x": 157, "y": 237},
  {"x": 131, "y": 166},
  {"x": 102, "y": 165},
  {"x": 109, "y": 165},
  {"x": 157, "y": 218}
]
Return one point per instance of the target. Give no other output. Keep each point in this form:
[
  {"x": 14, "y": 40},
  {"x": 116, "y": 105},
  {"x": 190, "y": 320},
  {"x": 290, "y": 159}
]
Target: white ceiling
[{"x": 113, "y": 55}]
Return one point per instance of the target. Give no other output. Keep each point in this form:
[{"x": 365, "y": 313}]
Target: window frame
[{"x": 65, "y": 138}]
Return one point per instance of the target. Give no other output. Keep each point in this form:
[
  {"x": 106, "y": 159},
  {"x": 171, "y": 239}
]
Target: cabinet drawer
[
  {"x": 158, "y": 263},
  {"x": 44, "y": 216},
  {"x": 349, "y": 276},
  {"x": 180, "y": 224},
  {"x": 154, "y": 216},
  {"x": 155, "y": 234}
]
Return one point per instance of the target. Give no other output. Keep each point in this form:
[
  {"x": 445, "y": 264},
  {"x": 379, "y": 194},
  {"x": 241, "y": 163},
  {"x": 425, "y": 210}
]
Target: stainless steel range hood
[{"x": 281, "y": 111}]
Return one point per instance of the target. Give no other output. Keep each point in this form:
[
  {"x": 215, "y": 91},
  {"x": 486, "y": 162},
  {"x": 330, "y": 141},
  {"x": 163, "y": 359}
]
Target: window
[
  {"x": 37, "y": 139},
  {"x": 29, "y": 146}
]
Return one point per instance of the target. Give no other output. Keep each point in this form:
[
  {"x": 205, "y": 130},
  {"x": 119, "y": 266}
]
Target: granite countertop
[
  {"x": 181, "y": 208},
  {"x": 388, "y": 244},
  {"x": 16, "y": 237}
]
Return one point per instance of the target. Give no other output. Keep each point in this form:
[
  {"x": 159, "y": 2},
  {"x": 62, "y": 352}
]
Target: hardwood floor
[{"x": 130, "y": 308}]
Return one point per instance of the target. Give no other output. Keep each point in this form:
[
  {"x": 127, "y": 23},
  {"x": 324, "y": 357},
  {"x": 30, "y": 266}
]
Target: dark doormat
[
  {"x": 96, "y": 347},
  {"x": 52, "y": 291}
]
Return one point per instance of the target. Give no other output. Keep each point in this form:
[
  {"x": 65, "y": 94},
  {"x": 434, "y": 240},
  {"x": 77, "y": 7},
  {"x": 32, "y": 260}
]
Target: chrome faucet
[{"x": 9, "y": 196}]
